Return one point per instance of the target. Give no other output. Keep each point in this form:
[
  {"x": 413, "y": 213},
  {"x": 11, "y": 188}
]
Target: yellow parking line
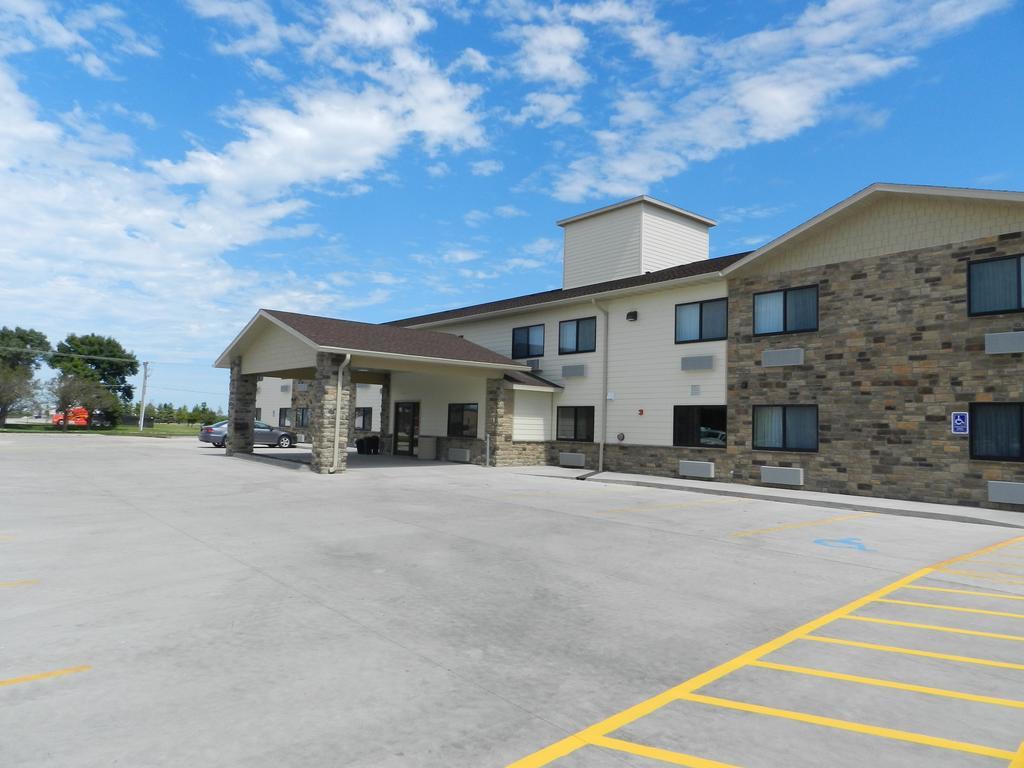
[
  {"x": 1018, "y": 761},
  {"x": 664, "y": 755},
  {"x": 952, "y": 608},
  {"x": 934, "y": 628},
  {"x": 804, "y": 524},
  {"x": 965, "y": 592},
  {"x": 943, "y": 692},
  {"x": 913, "y": 652},
  {"x": 44, "y": 675},
  {"x": 20, "y": 583},
  {"x": 1003, "y": 578},
  {"x": 599, "y": 730},
  {"x": 849, "y": 725}
]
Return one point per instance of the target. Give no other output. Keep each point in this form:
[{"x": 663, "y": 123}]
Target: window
[
  {"x": 528, "y": 341},
  {"x": 995, "y": 285},
  {"x": 576, "y": 423},
  {"x": 462, "y": 419},
  {"x": 702, "y": 321},
  {"x": 261, "y": 425},
  {"x": 286, "y": 387},
  {"x": 259, "y": 414},
  {"x": 785, "y": 428},
  {"x": 577, "y": 336},
  {"x": 699, "y": 426},
  {"x": 789, "y": 311},
  {"x": 364, "y": 419},
  {"x": 997, "y": 431},
  {"x": 303, "y": 386},
  {"x": 302, "y": 417},
  {"x": 284, "y": 417}
]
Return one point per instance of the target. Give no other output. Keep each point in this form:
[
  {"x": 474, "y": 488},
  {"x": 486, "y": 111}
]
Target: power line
[{"x": 25, "y": 350}]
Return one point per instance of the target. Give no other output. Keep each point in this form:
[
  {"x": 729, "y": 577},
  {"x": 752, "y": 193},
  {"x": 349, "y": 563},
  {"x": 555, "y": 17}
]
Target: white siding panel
[
  {"x": 643, "y": 366},
  {"x": 604, "y": 247},
  {"x": 670, "y": 239},
  {"x": 271, "y": 348},
  {"x": 894, "y": 223},
  {"x": 434, "y": 393},
  {"x": 644, "y": 371},
  {"x": 531, "y": 419},
  {"x": 270, "y": 399}
]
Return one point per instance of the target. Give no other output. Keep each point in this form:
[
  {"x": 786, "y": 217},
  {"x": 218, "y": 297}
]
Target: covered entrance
[{"x": 420, "y": 374}]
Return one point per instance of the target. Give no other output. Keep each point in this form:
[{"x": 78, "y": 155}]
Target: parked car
[
  {"x": 77, "y": 417},
  {"x": 262, "y": 433}
]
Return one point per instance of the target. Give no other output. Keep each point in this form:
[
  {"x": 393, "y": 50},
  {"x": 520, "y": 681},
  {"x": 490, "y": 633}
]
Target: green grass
[{"x": 157, "y": 430}]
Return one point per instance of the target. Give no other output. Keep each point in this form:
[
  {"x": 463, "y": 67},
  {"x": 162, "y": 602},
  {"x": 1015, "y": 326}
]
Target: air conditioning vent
[{"x": 534, "y": 365}]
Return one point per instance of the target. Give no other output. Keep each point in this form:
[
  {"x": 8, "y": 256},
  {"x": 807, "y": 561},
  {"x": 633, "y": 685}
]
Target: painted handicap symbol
[{"x": 848, "y": 543}]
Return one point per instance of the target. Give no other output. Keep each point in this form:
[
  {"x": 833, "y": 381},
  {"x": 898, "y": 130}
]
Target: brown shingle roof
[
  {"x": 522, "y": 377},
  {"x": 368, "y": 337},
  {"x": 703, "y": 267}
]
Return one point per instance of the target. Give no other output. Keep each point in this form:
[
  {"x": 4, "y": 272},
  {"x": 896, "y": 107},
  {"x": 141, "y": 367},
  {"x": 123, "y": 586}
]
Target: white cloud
[
  {"x": 264, "y": 68},
  {"x": 542, "y": 246},
  {"x": 386, "y": 278},
  {"x": 547, "y": 109},
  {"x": 508, "y": 212},
  {"x": 486, "y": 167},
  {"x": 471, "y": 59},
  {"x": 550, "y": 52},
  {"x": 475, "y": 217},
  {"x": 519, "y": 263},
  {"x": 438, "y": 169},
  {"x": 260, "y": 31},
  {"x": 764, "y": 86},
  {"x": 479, "y": 274},
  {"x": 460, "y": 255},
  {"x": 144, "y": 119},
  {"x": 736, "y": 214}
]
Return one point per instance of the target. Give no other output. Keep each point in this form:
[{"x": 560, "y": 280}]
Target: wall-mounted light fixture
[{"x": 632, "y": 315}]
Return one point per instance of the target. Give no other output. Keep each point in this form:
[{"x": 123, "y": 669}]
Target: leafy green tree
[
  {"x": 18, "y": 365},
  {"x": 165, "y": 413},
  {"x": 69, "y": 390},
  {"x": 108, "y": 362},
  {"x": 17, "y": 338},
  {"x": 16, "y": 389},
  {"x": 181, "y": 415}
]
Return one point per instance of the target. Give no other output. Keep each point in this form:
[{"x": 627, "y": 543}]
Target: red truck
[{"x": 79, "y": 417}]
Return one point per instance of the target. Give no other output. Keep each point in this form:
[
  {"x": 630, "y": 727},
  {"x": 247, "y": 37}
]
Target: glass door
[{"x": 407, "y": 428}]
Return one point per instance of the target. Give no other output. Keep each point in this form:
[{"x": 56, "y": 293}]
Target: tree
[
  {"x": 17, "y": 367},
  {"x": 69, "y": 390},
  {"x": 16, "y": 388},
  {"x": 108, "y": 363},
  {"x": 181, "y": 415},
  {"x": 165, "y": 413}
]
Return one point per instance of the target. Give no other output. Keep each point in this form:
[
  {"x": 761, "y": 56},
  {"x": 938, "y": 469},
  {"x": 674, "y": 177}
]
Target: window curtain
[
  {"x": 768, "y": 313},
  {"x": 996, "y": 431},
  {"x": 688, "y": 322},
  {"x": 567, "y": 337},
  {"x": 587, "y": 335},
  {"x": 566, "y": 424},
  {"x": 802, "y": 309},
  {"x": 802, "y": 428},
  {"x": 714, "y": 319},
  {"x": 768, "y": 426},
  {"x": 994, "y": 286},
  {"x": 536, "y": 344}
]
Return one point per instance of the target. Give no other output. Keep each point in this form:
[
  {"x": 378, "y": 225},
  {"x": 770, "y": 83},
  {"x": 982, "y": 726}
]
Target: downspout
[
  {"x": 337, "y": 412},
  {"x": 604, "y": 389}
]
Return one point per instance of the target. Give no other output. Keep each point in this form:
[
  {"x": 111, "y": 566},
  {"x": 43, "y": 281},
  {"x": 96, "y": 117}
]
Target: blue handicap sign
[
  {"x": 960, "y": 423},
  {"x": 848, "y": 543}
]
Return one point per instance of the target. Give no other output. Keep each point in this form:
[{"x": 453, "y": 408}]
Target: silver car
[{"x": 262, "y": 434}]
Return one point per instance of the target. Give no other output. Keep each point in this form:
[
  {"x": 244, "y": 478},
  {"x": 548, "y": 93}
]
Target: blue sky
[{"x": 167, "y": 168}]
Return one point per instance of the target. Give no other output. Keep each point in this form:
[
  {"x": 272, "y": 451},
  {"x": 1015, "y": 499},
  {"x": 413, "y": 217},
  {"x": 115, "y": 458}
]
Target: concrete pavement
[{"x": 236, "y": 613}]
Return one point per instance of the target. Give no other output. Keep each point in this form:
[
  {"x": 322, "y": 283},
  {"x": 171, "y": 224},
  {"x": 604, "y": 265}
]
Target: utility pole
[{"x": 142, "y": 398}]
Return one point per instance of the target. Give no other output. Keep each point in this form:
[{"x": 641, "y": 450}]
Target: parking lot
[{"x": 163, "y": 604}]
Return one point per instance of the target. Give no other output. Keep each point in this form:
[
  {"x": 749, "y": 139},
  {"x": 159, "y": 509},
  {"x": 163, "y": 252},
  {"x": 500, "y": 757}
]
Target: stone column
[
  {"x": 241, "y": 409},
  {"x": 385, "y": 416},
  {"x": 322, "y": 411},
  {"x": 499, "y": 421}
]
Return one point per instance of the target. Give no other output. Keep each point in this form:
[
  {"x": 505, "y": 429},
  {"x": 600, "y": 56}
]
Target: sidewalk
[{"x": 812, "y": 498}]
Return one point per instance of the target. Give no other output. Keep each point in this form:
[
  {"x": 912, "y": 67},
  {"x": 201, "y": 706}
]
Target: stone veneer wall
[
  {"x": 322, "y": 412},
  {"x": 241, "y": 409},
  {"x": 894, "y": 355},
  {"x": 477, "y": 448}
]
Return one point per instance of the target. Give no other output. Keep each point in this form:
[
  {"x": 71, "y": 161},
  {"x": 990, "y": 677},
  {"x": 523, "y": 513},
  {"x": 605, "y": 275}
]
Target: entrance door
[{"x": 407, "y": 428}]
